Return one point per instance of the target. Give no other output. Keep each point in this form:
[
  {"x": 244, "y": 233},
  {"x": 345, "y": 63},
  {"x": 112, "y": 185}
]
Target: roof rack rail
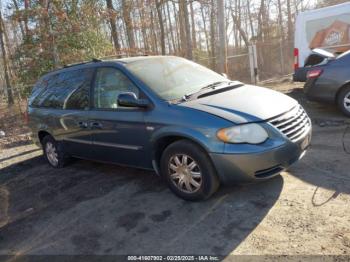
[
  {"x": 121, "y": 55},
  {"x": 110, "y": 57},
  {"x": 94, "y": 60}
]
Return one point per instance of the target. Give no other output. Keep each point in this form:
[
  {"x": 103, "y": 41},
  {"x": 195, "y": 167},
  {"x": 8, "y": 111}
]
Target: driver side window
[{"x": 109, "y": 84}]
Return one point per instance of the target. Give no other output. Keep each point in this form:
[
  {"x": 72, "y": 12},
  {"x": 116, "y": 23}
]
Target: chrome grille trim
[{"x": 293, "y": 124}]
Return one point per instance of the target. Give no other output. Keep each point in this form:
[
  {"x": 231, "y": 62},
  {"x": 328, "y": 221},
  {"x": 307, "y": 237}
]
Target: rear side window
[
  {"x": 66, "y": 90},
  {"x": 37, "y": 90}
]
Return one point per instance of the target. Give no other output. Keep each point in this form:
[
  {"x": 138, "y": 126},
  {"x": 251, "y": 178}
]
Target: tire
[
  {"x": 341, "y": 100},
  {"x": 189, "y": 157},
  {"x": 50, "y": 145}
]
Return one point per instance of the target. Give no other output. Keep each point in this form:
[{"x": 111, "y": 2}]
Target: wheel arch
[
  {"x": 346, "y": 84},
  {"x": 42, "y": 134},
  {"x": 162, "y": 142}
]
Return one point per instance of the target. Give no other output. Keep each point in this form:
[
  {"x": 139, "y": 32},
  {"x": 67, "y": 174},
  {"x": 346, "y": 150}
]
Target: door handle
[
  {"x": 96, "y": 125},
  {"x": 83, "y": 124}
]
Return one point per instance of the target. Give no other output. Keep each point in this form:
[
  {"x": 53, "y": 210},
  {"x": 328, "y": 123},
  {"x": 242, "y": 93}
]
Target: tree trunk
[
  {"x": 26, "y": 7},
  {"x": 237, "y": 22},
  {"x": 55, "y": 56},
  {"x": 222, "y": 54},
  {"x": 212, "y": 35},
  {"x": 194, "y": 42},
  {"x": 112, "y": 22},
  {"x": 128, "y": 23},
  {"x": 250, "y": 21},
  {"x": 171, "y": 28},
  {"x": 5, "y": 63},
  {"x": 189, "y": 53},
  {"x": 280, "y": 19},
  {"x": 178, "y": 30},
  {"x": 20, "y": 22},
  {"x": 161, "y": 25},
  {"x": 182, "y": 27},
  {"x": 261, "y": 20},
  {"x": 290, "y": 25},
  {"x": 205, "y": 30},
  {"x": 154, "y": 35},
  {"x": 168, "y": 42},
  {"x": 143, "y": 26}
]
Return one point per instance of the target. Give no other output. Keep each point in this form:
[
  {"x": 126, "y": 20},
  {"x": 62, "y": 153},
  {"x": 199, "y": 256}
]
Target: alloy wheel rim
[
  {"x": 51, "y": 153},
  {"x": 347, "y": 101},
  {"x": 185, "y": 173}
]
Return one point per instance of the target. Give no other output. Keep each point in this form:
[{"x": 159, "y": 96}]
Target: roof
[{"x": 128, "y": 60}]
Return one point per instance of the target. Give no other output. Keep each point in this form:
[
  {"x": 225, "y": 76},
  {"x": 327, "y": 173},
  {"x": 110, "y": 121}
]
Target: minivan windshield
[{"x": 172, "y": 78}]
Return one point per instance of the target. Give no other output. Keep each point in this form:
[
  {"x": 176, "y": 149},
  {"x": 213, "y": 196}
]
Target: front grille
[{"x": 294, "y": 124}]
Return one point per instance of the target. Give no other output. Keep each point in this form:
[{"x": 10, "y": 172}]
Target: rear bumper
[
  {"x": 300, "y": 74},
  {"x": 319, "y": 92},
  {"x": 241, "y": 168}
]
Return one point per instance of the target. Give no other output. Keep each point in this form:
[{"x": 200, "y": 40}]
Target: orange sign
[{"x": 336, "y": 34}]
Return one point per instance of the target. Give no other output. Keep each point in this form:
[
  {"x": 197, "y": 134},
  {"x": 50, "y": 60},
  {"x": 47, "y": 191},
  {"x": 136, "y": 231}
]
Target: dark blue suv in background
[{"x": 194, "y": 127}]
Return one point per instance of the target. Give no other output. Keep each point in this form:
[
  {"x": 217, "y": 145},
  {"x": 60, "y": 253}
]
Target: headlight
[{"x": 248, "y": 133}]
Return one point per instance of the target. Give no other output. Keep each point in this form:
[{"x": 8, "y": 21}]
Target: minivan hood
[{"x": 244, "y": 104}]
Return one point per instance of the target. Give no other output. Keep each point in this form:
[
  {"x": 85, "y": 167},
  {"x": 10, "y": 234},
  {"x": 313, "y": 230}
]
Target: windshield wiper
[
  {"x": 213, "y": 85},
  {"x": 210, "y": 86}
]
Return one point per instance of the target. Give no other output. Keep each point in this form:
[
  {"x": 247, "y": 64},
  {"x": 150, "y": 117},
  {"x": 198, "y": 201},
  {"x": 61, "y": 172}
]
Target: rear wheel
[
  {"x": 188, "y": 171},
  {"x": 54, "y": 152},
  {"x": 343, "y": 100}
]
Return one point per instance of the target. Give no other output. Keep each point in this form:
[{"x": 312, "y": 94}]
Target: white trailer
[{"x": 324, "y": 28}]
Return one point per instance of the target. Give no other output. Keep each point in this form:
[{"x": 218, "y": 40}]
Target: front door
[{"x": 118, "y": 133}]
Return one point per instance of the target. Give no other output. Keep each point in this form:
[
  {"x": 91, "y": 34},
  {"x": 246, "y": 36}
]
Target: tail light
[
  {"x": 314, "y": 73},
  {"x": 296, "y": 58}
]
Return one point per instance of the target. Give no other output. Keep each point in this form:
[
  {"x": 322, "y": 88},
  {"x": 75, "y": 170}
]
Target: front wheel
[
  {"x": 343, "y": 100},
  {"x": 189, "y": 171}
]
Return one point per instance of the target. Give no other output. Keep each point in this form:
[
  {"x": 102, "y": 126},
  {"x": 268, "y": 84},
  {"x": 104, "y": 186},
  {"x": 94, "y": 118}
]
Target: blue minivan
[{"x": 193, "y": 127}]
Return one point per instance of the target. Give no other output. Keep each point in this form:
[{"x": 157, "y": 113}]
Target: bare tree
[
  {"x": 161, "y": 25},
  {"x": 222, "y": 65},
  {"x": 171, "y": 28},
  {"x": 212, "y": 35},
  {"x": 193, "y": 24},
  {"x": 15, "y": 4},
  {"x": 280, "y": 20},
  {"x": 112, "y": 22},
  {"x": 237, "y": 22},
  {"x": 205, "y": 28},
  {"x": 126, "y": 5},
  {"x": 189, "y": 53},
  {"x": 5, "y": 62},
  {"x": 290, "y": 25}
]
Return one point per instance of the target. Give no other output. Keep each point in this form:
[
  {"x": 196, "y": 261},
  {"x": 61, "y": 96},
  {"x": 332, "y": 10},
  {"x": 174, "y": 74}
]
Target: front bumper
[{"x": 248, "y": 167}]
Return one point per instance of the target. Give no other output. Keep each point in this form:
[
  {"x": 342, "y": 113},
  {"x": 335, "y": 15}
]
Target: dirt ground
[{"x": 93, "y": 208}]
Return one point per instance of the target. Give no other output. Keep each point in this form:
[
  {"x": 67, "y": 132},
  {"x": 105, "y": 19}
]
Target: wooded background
[{"x": 37, "y": 36}]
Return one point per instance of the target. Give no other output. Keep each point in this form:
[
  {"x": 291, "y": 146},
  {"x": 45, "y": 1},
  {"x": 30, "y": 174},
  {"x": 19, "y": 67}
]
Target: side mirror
[{"x": 130, "y": 99}]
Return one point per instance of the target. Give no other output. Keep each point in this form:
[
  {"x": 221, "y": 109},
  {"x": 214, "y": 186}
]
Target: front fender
[{"x": 205, "y": 137}]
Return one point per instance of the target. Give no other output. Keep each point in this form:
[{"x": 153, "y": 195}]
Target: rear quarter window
[
  {"x": 38, "y": 88},
  {"x": 66, "y": 90}
]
